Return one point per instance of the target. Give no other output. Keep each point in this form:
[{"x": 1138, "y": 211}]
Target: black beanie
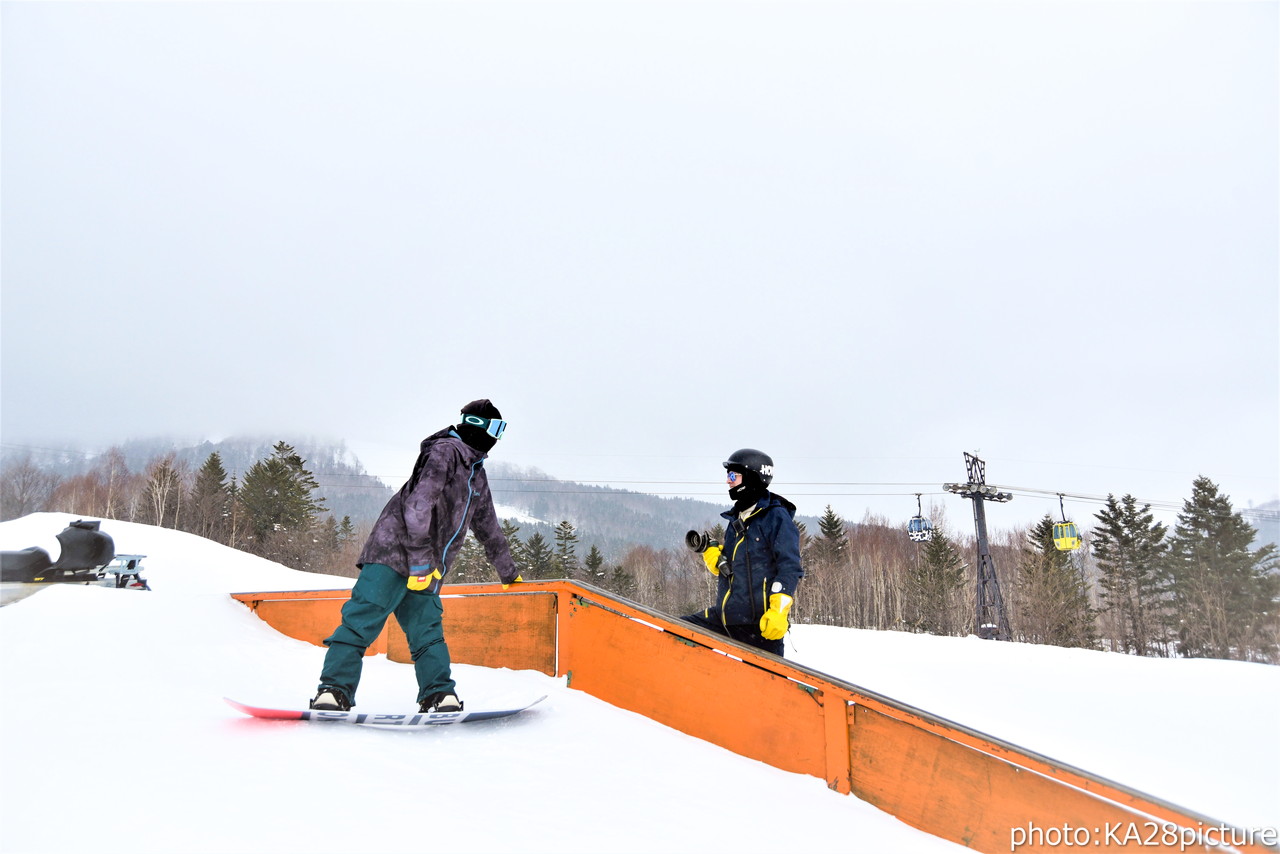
[
  {"x": 482, "y": 407},
  {"x": 473, "y": 435}
]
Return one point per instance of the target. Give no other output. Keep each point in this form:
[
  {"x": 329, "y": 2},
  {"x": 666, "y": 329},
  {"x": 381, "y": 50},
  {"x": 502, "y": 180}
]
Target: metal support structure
[{"x": 992, "y": 622}]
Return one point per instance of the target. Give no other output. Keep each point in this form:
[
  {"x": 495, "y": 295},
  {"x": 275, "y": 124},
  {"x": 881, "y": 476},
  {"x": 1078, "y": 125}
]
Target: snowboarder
[
  {"x": 407, "y": 556},
  {"x": 758, "y": 567}
]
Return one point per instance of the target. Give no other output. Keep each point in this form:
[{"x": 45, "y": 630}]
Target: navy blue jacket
[{"x": 760, "y": 551}]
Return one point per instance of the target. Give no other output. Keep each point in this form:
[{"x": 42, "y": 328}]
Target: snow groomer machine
[{"x": 88, "y": 556}]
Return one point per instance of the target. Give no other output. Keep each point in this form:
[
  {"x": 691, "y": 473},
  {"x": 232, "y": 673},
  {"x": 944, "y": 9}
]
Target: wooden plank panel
[
  {"x": 836, "y": 719},
  {"x": 693, "y": 689},
  {"x": 310, "y": 620},
  {"x": 251, "y": 598},
  {"x": 514, "y": 630},
  {"x": 970, "y": 797}
]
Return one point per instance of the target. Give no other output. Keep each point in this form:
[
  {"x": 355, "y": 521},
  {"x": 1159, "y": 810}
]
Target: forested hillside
[{"x": 613, "y": 520}]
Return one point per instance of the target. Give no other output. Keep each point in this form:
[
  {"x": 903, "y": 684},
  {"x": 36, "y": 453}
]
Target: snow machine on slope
[{"x": 86, "y": 551}]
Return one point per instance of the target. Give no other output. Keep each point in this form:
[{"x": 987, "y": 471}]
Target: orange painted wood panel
[
  {"x": 1076, "y": 779},
  {"x": 258, "y": 596},
  {"x": 516, "y": 630},
  {"x": 311, "y": 619},
  {"x": 693, "y": 689},
  {"x": 970, "y": 797},
  {"x": 836, "y": 719}
]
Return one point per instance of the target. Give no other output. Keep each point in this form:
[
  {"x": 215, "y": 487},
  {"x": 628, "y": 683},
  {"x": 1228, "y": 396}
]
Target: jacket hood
[
  {"x": 448, "y": 434},
  {"x": 786, "y": 505},
  {"x": 468, "y": 452}
]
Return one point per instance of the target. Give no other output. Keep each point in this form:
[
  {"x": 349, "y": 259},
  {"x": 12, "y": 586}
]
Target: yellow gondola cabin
[{"x": 1066, "y": 536}]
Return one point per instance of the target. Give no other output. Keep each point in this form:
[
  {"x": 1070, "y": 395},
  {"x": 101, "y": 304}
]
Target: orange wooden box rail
[{"x": 934, "y": 774}]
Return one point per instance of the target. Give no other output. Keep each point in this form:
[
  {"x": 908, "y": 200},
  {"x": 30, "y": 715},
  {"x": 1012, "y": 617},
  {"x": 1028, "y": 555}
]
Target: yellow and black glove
[
  {"x": 516, "y": 580},
  {"x": 422, "y": 577},
  {"x": 774, "y": 623},
  {"x": 713, "y": 557}
]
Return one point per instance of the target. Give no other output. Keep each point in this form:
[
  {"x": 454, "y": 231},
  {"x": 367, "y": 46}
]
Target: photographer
[{"x": 758, "y": 567}]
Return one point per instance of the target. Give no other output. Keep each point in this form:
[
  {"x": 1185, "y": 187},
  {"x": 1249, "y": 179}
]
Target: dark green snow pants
[{"x": 378, "y": 593}]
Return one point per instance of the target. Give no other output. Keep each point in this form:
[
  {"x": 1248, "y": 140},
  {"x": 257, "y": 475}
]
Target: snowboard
[{"x": 409, "y": 720}]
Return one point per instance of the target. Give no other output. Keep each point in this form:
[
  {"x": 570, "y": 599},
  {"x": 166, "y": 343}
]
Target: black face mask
[
  {"x": 748, "y": 492},
  {"x": 476, "y": 438}
]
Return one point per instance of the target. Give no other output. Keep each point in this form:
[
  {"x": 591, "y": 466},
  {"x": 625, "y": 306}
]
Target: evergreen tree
[
  {"x": 1129, "y": 546},
  {"x": 933, "y": 586},
  {"x": 517, "y": 547},
  {"x": 471, "y": 566},
  {"x": 831, "y": 547},
  {"x": 277, "y": 495},
  {"x": 326, "y": 535},
  {"x": 539, "y": 558},
  {"x": 1054, "y": 599},
  {"x": 345, "y": 547},
  {"x": 566, "y": 559},
  {"x": 806, "y": 542},
  {"x": 235, "y": 517},
  {"x": 1224, "y": 594},
  {"x": 623, "y": 583},
  {"x": 209, "y": 512},
  {"x": 594, "y": 565},
  {"x": 346, "y": 531}
]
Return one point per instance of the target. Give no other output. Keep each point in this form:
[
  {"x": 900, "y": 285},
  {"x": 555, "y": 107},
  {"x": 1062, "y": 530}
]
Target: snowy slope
[
  {"x": 114, "y": 720},
  {"x": 116, "y": 739},
  {"x": 1200, "y": 733},
  {"x": 514, "y": 514}
]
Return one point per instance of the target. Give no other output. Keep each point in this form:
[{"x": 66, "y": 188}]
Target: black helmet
[{"x": 750, "y": 460}]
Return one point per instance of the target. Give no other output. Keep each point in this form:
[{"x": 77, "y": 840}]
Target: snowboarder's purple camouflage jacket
[{"x": 424, "y": 524}]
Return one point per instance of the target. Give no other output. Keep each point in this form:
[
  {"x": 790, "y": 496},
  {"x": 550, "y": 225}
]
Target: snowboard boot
[
  {"x": 331, "y": 700},
  {"x": 441, "y": 702}
]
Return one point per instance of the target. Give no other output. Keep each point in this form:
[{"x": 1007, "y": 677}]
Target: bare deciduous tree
[{"x": 25, "y": 488}]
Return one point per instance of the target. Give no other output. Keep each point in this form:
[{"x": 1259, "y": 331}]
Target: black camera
[{"x": 699, "y": 541}]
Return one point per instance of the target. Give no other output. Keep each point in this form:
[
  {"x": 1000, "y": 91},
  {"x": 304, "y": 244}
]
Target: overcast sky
[{"x": 863, "y": 237}]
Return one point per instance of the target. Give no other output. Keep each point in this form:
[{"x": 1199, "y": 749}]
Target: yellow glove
[
  {"x": 515, "y": 580},
  {"x": 711, "y": 557},
  {"x": 422, "y": 577},
  {"x": 774, "y": 623}
]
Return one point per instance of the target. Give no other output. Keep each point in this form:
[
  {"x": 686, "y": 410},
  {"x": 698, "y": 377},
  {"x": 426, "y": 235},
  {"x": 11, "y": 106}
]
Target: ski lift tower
[{"x": 992, "y": 621}]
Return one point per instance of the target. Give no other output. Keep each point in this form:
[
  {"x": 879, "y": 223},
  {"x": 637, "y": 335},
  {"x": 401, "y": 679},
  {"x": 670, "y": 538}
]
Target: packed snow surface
[{"x": 116, "y": 737}]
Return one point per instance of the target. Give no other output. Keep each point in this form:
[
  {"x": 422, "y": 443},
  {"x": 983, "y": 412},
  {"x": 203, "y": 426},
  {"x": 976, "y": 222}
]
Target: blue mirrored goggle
[{"x": 495, "y": 427}]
